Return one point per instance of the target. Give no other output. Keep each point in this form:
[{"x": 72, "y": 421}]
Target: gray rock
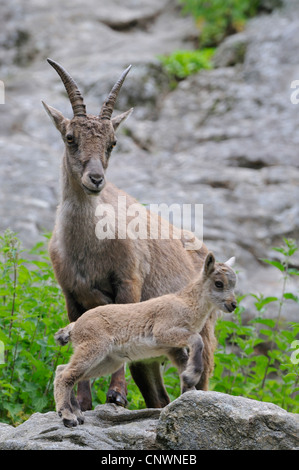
[
  {"x": 195, "y": 421},
  {"x": 215, "y": 421},
  {"x": 107, "y": 427},
  {"x": 231, "y": 51}
]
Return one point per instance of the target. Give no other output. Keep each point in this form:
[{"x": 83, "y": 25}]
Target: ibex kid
[{"x": 107, "y": 336}]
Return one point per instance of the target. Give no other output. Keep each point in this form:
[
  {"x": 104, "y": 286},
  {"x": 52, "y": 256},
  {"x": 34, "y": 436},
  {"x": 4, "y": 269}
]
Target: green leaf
[
  {"x": 289, "y": 377},
  {"x": 291, "y": 244},
  {"x": 262, "y": 301},
  {"x": 277, "y": 264},
  {"x": 289, "y": 295},
  {"x": 264, "y": 321},
  {"x": 293, "y": 272},
  {"x": 280, "y": 250},
  {"x": 268, "y": 333}
]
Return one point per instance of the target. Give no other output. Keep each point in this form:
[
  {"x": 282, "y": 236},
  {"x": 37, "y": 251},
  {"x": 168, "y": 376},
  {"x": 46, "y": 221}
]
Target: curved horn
[
  {"x": 72, "y": 89},
  {"x": 107, "y": 108}
]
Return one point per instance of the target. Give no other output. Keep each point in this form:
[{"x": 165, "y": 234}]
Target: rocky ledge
[{"x": 195, "y": 421}]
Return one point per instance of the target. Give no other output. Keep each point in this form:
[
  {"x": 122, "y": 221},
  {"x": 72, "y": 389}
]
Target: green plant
[
  {"x": 181, "y": 64},
  {"x": 217, "y": 19},
  {"x": 255, "y": 359},
  {"x": 32, "y": 309}
]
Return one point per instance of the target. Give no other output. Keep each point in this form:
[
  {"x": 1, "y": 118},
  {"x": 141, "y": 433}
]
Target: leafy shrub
[
  {"x": 32, "y": 309},
  {"x": 256, "y": 360},
  {"x": 217, "y": 19},
  {"x": 181, "y": 64}
]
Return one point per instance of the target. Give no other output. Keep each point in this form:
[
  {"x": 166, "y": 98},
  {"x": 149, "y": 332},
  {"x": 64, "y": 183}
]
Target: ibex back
[{"x": 93, "y": 271}]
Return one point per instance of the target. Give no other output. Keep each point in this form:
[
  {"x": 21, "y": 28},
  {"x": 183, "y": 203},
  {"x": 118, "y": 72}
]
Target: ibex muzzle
[
  {"x": 88, "y": 139},
  {"x": 93, "y": 178}
]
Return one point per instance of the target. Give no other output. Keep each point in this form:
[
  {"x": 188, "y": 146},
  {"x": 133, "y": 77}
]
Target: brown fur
[
  {"x": 96, "y": 272},
  {"x": 106, "y": 337}
]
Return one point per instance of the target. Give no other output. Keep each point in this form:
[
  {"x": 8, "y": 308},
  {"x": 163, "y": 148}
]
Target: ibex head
[
  {"x": 88, "y": 139},
  {"x": 220, "y": 281}
]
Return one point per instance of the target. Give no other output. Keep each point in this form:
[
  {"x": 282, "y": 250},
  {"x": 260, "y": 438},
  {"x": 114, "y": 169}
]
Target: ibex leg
[
  {"x": 117, "y": 392},
  {"x": 210, "y": 344},
  {"x": 148, "y": 379}
]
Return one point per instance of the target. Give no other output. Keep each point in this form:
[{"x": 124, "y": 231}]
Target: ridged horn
[
  {"x": 74, "y": 94},
  {"x": 108, "y": 106}
]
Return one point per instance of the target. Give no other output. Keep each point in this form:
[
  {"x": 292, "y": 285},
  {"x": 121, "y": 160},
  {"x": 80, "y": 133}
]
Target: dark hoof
[
  {"x": 85, "y": 404},
  {"x": 70, "y": 423},
  {"x": 117, "y": 398},
  {"x": 189, "y": 382},
  {"x": 80, "y": 419}
]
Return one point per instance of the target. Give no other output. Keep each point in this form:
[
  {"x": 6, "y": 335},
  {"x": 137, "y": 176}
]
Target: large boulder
[{"x": 216, "y": 421}]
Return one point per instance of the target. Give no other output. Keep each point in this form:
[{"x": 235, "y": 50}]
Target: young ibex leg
[
  {"x": 75, "y": 310},
  {"x": 66, "y": 404},
  {"x": 210, "y": 344},
  {"x": 179, "y": 357},
  {"x": 128, "y": 291},
  {"x": 191, "y": 375},
  {"x": 178, "y": 338},
  {"x": 68, "y": 375},
  {"x": 76, "y": 408}
]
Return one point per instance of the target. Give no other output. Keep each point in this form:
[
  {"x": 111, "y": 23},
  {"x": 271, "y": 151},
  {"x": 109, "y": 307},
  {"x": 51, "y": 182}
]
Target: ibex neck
[
  {"x": 197, "y": 299},
  {"x": 77, "y": 209}
]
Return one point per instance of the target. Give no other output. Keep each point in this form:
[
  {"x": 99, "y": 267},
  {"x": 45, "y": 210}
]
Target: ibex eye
[
  {"x": 70, "y": 138},
  {"x": 219, "y": 284},
  {"x": 110, "y": 148}
]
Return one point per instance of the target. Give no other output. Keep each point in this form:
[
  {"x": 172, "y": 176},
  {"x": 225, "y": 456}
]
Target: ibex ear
[
  {"x": 190, "y": 241},
  {"x": 57, "y": 118},
  {"x": 116, "y": 121},
  {"x": 209, "y": 264},
  {"x": 230, "y": 262}
]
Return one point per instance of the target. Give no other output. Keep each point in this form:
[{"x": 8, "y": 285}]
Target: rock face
[
  {"x": 215, "y": 421},
  {"x": 225, "y": 138},
  {"x": 107, "y": 427},
  {"x": 195, "y": 421}
]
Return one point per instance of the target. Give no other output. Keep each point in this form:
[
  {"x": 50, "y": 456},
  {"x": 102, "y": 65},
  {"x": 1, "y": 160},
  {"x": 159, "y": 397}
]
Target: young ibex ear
[
  {"x": 230, "y": 262},
  {"x": 209, "y": 264},
  {"x": 116, "y": 121},
  {"x": 57, "y": 118}
]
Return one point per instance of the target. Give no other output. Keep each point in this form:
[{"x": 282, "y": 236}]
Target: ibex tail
[{"x": 63, "y": 335}]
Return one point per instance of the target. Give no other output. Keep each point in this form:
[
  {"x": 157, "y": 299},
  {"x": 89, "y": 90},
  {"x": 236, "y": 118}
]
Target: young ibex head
[
  {"x": 219, "y": 281},
  {"x": 88, "y": 139}
]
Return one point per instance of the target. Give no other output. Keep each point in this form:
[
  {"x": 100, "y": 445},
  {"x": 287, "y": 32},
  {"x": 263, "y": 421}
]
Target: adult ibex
[
  {"x": 93, "y": 271},
  {"x": 105, "y": 337}
]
